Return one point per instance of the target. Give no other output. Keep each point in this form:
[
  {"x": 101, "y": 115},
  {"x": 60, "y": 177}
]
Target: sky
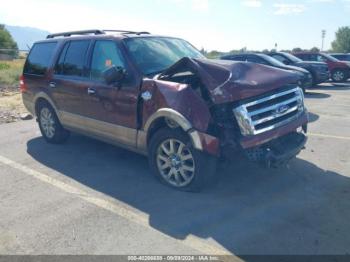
[{"x": 210, "y": 24}]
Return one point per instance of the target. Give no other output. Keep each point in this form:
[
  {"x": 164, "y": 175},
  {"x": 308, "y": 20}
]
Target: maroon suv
[
  {"x": 339, "y": 70},
  {"x": 160, "y": 97}
]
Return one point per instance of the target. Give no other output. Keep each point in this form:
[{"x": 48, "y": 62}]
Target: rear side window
[
  {"x": 240, "y": 58},
  {"x": 73, "y": 58},
  {"x": 257, "y": 60},
  {"x": 304, "y": 57},
  {"x": 39, "y": 58}
]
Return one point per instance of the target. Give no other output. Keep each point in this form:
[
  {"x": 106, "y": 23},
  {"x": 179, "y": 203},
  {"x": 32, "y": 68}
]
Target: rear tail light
[{"x": 22, "y": 85}]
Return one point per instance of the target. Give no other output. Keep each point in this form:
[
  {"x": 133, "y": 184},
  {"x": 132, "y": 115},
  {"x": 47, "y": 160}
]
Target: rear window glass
[
  {"x": 72, "y": 59},
  {"x": 39, "y": 58}
]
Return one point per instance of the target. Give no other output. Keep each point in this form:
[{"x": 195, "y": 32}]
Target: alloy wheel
[
  {"x": 175, "y": 162},
  {"x": 338, "y": 75},
  {"x": 47, "y": 122}
]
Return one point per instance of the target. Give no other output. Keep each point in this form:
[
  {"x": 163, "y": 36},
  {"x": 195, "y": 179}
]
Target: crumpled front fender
[{"x": 183, "y": 105}]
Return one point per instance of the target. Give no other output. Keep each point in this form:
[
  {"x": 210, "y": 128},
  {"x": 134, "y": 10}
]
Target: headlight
[
  {"x": 300, "y": 100},
  {"x": 243, "y": 120}
]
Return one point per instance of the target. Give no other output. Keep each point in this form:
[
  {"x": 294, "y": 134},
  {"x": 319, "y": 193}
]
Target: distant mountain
[{"x": 26, "y": 36}]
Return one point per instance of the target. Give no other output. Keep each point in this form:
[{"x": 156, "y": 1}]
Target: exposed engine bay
[{"x": 185, "y": 76}]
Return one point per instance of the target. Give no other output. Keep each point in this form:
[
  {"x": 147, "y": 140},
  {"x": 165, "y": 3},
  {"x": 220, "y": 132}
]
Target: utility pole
[{"x": 323, "y": 35}]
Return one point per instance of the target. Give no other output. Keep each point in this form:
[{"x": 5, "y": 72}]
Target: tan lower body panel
[{"x": 107, "y": 132}]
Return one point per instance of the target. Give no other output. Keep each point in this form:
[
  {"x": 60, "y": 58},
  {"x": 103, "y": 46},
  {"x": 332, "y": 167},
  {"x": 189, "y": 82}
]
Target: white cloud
[
  {"x": 252, "y": 3},
  {"x": 286, "y": 9}
]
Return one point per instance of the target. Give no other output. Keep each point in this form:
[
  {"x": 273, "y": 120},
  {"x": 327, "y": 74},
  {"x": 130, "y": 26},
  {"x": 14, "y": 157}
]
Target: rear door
[{"x": 70, "y": 79}]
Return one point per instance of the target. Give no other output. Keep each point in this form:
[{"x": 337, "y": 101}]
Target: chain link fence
[{"x": 11, "y": 54}]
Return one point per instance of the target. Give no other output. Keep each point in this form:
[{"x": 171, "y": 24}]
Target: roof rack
[
  {"x": 94, "y": 31},
  {"x": 82, "y": 32},
  {"x": 126, "y": 32}
]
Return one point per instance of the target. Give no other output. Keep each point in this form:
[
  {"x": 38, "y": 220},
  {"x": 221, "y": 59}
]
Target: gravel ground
[{"x": 11, "y": 106}]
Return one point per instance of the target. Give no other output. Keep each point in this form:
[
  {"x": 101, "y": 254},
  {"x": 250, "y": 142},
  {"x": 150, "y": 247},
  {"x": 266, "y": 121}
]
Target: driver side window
[{"x": 105, "y": 55}]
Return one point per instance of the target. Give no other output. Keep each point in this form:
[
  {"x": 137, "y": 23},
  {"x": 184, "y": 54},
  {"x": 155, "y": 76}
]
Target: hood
[{"x": 229, "y": 81}]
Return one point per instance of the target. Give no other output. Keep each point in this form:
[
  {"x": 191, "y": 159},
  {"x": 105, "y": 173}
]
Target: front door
[{"x": 111, "y": 109}]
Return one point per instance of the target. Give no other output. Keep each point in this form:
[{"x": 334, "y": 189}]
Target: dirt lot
[{"x": 11, "y": 106}]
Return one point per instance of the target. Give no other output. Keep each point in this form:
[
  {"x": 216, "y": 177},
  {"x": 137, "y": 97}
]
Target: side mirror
[
  {"x": 114, "y": 74},
  {"x": 286, "y": 62}
]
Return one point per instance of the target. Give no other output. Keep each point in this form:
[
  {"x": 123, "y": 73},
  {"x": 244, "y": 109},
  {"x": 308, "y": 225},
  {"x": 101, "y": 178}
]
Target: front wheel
[
  {"x": 177, "y": 164},
  {"x": 339, "y": 75}
]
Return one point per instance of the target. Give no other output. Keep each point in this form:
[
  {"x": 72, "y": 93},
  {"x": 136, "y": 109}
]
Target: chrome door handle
[
  {"x": 52, "y": 84},
  {"x": 91, "y": 91}
]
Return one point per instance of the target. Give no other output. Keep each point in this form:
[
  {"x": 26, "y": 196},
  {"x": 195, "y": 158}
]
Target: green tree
[
  {"x": 214, "y": 54},
  {"x": 342, "y": 40},
  {"x": 7, "y": 42},
  {"x": 297, "y": 49},
  {"x": 315, "y": 49}
]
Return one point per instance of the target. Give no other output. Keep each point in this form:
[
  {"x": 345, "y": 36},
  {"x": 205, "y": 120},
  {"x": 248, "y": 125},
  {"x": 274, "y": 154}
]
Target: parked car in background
[
  {"x": 339, "y": 70},
  {"x": 259, "y": 58},
  {"x": 341, "y": 56},
  {"x": 319, "y": 70},
  {"x": 159, "y": 96}
]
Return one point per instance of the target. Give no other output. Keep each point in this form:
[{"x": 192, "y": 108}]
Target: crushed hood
[{"x": 229, "y": 81}]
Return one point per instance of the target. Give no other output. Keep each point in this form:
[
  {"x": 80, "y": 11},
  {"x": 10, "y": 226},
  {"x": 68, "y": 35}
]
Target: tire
[
  {"x": 339, "y": 75},
  {"x": 50, "y": 127},
  {"x": 177, "y": 164}
]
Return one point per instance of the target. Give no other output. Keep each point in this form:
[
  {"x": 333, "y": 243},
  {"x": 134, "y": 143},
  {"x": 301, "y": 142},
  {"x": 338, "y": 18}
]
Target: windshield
[
  {"x": 272, "y": 61},
  {"x": 331, "y": 58},
  {"x": 292, "y": 58},
  {"x": 155, "y": 54}
]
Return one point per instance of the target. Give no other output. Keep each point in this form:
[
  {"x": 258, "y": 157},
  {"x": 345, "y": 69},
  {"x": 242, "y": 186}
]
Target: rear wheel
[
  {"x": 339, "y": 75},
  {"x": 50, "y": 127},
  {"x": 177, "y": 164}
]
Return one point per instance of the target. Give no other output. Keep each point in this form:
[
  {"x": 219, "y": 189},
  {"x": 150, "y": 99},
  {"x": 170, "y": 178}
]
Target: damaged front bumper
[{"x": 279, "y": 151}]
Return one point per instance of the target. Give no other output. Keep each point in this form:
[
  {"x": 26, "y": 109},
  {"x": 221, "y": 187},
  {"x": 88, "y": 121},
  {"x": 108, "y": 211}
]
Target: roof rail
[
  {"x": 82, "y": 32},
  {"x": 127, "y": 32},
  {"x": 95, "y": 32}
]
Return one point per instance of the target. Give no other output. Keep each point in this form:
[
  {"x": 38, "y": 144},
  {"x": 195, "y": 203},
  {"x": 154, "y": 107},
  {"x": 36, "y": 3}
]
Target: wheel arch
[
  {"x": 158, "y": 120},
  {"x": 43, "y": 97}
]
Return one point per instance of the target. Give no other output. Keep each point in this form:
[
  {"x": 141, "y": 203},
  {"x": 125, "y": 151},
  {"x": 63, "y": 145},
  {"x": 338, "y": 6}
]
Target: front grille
[{"x": 269, "y": 112}]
